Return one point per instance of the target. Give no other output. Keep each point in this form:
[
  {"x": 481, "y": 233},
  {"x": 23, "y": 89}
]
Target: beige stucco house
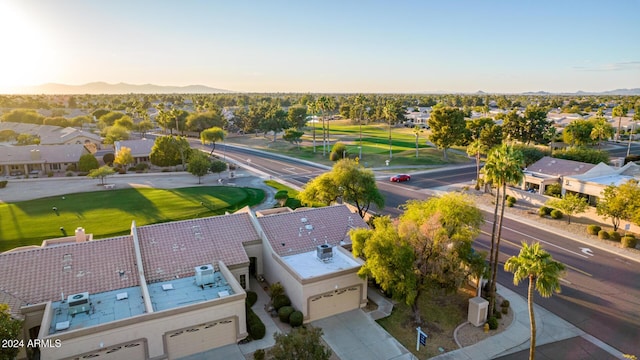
[
  {"x": 36, "y": 160},
  {"x": 593, "y": 182},
  {"x": 54, "y": 135},
  {"x": 140, "y": 149},
  {"x": 548, "y": 170},
  {"x": 171, "y": 290}
]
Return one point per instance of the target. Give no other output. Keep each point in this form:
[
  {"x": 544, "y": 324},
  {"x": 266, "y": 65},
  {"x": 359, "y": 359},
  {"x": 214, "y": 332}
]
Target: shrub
[
  {"x": 498, "y": 314},
  {"x": 505, "y": 303},
  {"x": 3, "y": 184},
  {"x": 614, "y": 235},
  {"x": 556, "y": 214},
  {"x": 543, "y": 211},
  {"x": 108, "y": 158},
  {"x": 603, "y": 235},
  {"x": 510, "y": 200},
  {"x": 72, "y": 167},
  {"x": 629, "y": 241},
  {"x": 69, "y": 173},
  {"x": 296, "y": 318},
  {"x": 337, "y": 151},
  {"x": 554, "y": 190},
  {"x": 334, "y": 156},
  {"x": 259, "y": 354},
  {"x": 252, "y": 297},
  {"x": 282, "y": 196},
  {"x": 593, "y": 229},
  {"x": 493, "y": 323},
  {"x": 280, "y": 301},
  {"x": 505, "y": 310},
  {"x": 131, "y": 168},
  {"x": 255, "y": 327},
  {"x": 141, "y": 166},
  {"x": 49, "y": 173},
  {"x": 284, "y": 313},
  {"x": 276, "y": 289}
]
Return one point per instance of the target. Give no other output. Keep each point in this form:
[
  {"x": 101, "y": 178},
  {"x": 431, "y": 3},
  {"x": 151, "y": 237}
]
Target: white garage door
[
  {"x": 335, "y": 302},
  {"x": 133, "y": 350},
  {"x": 201, "y": 338}
]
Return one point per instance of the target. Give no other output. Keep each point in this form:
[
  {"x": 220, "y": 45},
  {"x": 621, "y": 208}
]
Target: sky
[{"x": 324, "y": 46}]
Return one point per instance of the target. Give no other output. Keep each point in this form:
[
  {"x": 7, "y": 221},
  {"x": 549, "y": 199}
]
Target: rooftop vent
[
  {"x": 204, "y": 275},
  {"x": 303, "y": 220},
  {"x": 79, "y": 303},
  {"x": 308, "y": 227},
  {"x": 324, "y": 252}
]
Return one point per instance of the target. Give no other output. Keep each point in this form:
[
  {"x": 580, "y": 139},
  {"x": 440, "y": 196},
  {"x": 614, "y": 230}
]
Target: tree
[
  {"x": 125, "y": 122},
  {"x": 536, "y": 124},
  {"x": 199, "y": 164},
  {"x": 390, "y": 113},
  {"x": 211, "y": 135},
  {"x": 87, "y": 163},
  {"x": 101, "y": 173},
  {"x": 601, "y": 130},
  {"x": 108, "y": 158},
  {"x": 302, "y": 343},
  {"x": 115, "y": 133},
  {"x": 325, "y": 104},
  {"x": 543, "y": 272},
  {"x": 311, "y": 106},
  {"x": 578, "y": 133},
  {"x": 347, "y": 180},
  {"x": 504, "y": 165},
  {"x": 591, "y": 156},
  {"x": 569, "y": 205},
  {"x": 124, "y": 157},
  {"x": 23, "y": 116},
  {"x": 293, "y": 136},
  {"x": 620, "y": 202},
  {"x": 27, "y": 139},
  {"x": 218, "y": 166},
  {"x": 10, "y": 329},
  {"x": 169, "y": 151},
  {"x": 416, "y": 132},
  {"x": 199, "y": 121},
  {"x": 275, "y": 121},
  {"x": 447, "y": 126},
  {"x": 427, "y": 246},
  {"x": 143, "y": 127},
  {"x": 619, "y": 111},
  {"x": 297, "y": 116}
]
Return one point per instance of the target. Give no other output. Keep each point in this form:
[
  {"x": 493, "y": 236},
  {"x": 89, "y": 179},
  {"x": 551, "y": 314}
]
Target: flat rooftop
[
  {"x": 308, "y": 264},
  {"x": 102, "y": 308},
  {"x": 615, "y": 180},
  {"x": 175, "y": 293}
]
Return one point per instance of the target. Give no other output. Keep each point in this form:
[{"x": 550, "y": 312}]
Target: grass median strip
[{"x": 109, "y": 213}]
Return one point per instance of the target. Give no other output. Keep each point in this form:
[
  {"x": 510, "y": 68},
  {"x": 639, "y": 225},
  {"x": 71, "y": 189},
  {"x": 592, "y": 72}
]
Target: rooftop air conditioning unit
[
  {"x": 324, "y": 252},
  {"x": 79, "y": 303},
  {"x": 204, "y": 275}
]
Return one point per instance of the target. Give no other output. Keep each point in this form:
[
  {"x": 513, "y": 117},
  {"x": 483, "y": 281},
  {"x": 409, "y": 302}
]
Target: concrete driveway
[{"x": 354, "y": 335}]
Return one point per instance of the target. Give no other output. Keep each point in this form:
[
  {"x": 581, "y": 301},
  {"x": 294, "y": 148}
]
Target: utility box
[{"x": 478, "y": 308}]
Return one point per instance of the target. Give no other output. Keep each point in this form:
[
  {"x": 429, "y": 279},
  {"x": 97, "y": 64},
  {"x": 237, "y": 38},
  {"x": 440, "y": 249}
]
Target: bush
[
  {"x": 69, "y": 173},
  {"x": 493, "y": 323},
  {"x": 72, "y": 167},
  {"x": 498, "y": 314},
  {"x": 510, "y": 200},
  {"x": 49, "y": 173},
  {"x": 284, "y": 313},
  {"x": 614, "y": 235},
  {"x": 276, "y": 289},
  {"x": 505, "y": 310},
  {"x": 280, "y": 301},
  {"x": 3, "y": 184},
  {"x": 556, "y": 214},
  {"x": 543, "y": 211},
  {"x": 255, "y": 327},
  {"x": 296, "y": 318},
  {"x": 337, "y": 151},
  {"x": 505, "y": 303},
  {"x": 108, "y": 158},
  {"x": 259, "y": 354},
  {"x": 334, "y": 156},
  {"x": 593, "y": 229},
  {"x": 252, "y": 297},
  {"x": 141, "y": 166},
  {"x": 629, "y": 242},
  {"x": 603, "y": 235},
  {"x": 554, "y": 190}
]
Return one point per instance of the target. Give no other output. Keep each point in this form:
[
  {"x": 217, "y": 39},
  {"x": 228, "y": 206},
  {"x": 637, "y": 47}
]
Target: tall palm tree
[
  {"x": 311, "y": 106},
  {"x": 619, "y": 111},
  {"x": 475, "y": 149},
  {"x": 325, "y": 104},
  {"x": 601, "y": 130},
  {"x": 359, "y": 102},
  {"x": 503, "y": 165},
  {"x": 390, "y": 112},
  {"x": 543, "y": 272}
]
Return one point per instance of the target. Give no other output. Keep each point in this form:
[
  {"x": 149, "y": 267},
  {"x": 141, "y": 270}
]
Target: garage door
[
  {"x": 132, "y": 350},
  {"x": 201, "y": 338},
  {"x": 335, "y": 302}
]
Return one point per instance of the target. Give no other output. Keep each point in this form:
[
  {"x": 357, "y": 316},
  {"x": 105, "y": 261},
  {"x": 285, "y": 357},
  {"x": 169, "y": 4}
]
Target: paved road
[{"x": 620, "y": 149}]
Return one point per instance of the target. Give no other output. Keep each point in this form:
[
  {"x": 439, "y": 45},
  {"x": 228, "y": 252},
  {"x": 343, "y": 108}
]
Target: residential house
[
  {"x": 550, "y": 170},
  {"x": 54, "y": 135},
  {"x": 35, "y": 160},
  {"x": 591, "y": 183},
  {"x": 140, "y": 149}
]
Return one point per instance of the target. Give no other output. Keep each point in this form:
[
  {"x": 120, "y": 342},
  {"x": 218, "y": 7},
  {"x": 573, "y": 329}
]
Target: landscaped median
[{"x": 109, "y": 213}]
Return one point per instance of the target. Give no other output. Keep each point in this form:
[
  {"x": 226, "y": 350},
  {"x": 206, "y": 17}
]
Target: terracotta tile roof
[
  {"x": 14, "y": 304},
  {"x": 329, "y": 224},
  {"x": 559, "y": 167},
  {"x": 43, "y": 274},
  {"x": 174, "y": 249}
]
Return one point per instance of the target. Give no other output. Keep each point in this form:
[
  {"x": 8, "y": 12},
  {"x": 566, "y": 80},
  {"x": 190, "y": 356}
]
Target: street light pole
[{"x": 630, "y": 135}]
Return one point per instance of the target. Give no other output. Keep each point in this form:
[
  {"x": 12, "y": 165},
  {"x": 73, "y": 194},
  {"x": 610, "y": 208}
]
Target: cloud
[{"x": 618, "y": 66}]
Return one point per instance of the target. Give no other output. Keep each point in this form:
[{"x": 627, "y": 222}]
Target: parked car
[{"x": 400, "y": 178}]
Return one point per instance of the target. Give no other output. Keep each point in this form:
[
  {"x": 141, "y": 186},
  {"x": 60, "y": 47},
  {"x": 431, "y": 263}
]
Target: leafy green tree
[
  {"x": 543, "y": 273},
  {"x": 297, "y": 116},
  {"x": 211, "y": 136},
  {"x": 8, "y": 135},
  {"x": 169, "y": 151},
  {"x": 10, "y": 329},
  {"x": 218, "y": 166},
  {"x": 348, "y": 180},
  {"x": 87, "y": 162},
  {"x": 591, "y": 156},
  {"x": 203, "y": 120},
  {"x": 619, "y": 111},
  {"x": 293, "y": 136},
  {"x": 601, "y": 131},
  {"x": 124, "y": 157},
  {"x": 198, "y": 165},
  {"x": 424, "y": 248},
  {"x": 302, "y": 343},
  {"x": 27, "y": 139},
  {"x": 578, "y": 133},
  {"x": 275, "y": 121},
  {"x": 504, "y": 165},
  {"x": 101, "y": 173},
  {"x": 23, "y": 116},
  {"x": 115, "y": 133},
  {"x": 125, "y": 121},
  {"x": 536, "y": 124},
  {"x": 109, "y": 119},
  {"x": 620, "y": 203},
  {"x": 570, "y": 204},
  {"x": 143, "y": 127},
  {"x": 447, "y": 124}
]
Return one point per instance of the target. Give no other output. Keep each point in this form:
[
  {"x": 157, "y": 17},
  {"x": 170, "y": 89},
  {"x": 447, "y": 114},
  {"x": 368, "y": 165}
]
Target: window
[{"x": 243, "y": 281}]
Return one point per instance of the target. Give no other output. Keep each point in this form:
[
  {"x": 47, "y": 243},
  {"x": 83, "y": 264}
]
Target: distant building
[
  {"x": 54, "y": 135},
  {"x": 591, "y": 183},
  {"x": 36, "y": 160}
]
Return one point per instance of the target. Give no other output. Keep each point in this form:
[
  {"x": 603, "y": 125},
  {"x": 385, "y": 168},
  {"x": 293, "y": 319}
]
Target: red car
[{"x": 400, "y": 178}]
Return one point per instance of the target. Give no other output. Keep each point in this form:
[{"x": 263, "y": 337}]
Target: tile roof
[
  {"x": 48, "y": 153},
  {"x": 49, "y": 134},
  {"x": 43, "y": 274},
  {"x": 329, "y": 224},
  {"x": 559, "y": 167},
  {"x": 174, "y": 249},
  {"x": 138, "y": 148}
]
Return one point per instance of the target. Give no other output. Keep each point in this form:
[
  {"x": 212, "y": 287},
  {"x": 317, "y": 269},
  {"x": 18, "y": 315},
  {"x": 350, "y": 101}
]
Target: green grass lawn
[
  {"x": 109, "y": 213},
  {"x": 441, "y": 313},
  {"x": 292, "y": 201}
]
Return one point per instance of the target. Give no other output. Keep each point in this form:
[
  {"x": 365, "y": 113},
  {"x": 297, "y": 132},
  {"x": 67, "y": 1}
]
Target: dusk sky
[{"x": 324, "y": 46}]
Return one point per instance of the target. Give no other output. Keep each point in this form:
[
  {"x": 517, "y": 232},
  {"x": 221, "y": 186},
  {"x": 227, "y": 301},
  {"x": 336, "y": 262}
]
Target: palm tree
[
  {"x": 359, "y": 101},
  {"x": 504, "y": 165},
  {"x": 475, "y": 148},
  {"x": 601, "y": 130},
  {"x": 311, "y": 105},
  {"x": 619, "y": 111},
  {"x": 543, "y": 272},
  {"x": 390, "y": 112},
  {"x": 324, "y": 104}
]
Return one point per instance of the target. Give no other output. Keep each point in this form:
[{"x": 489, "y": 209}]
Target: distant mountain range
[
  {"x": 120, "y": 88},
  {"x": 635, "y": 91}
]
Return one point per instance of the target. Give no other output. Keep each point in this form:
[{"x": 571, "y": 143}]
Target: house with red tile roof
[{"x": 175, "y": 289}]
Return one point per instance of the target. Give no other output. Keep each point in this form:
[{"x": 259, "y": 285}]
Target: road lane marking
[
  {"x": 542, "y": 241},
  {"x": 586, "y": 251}
]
